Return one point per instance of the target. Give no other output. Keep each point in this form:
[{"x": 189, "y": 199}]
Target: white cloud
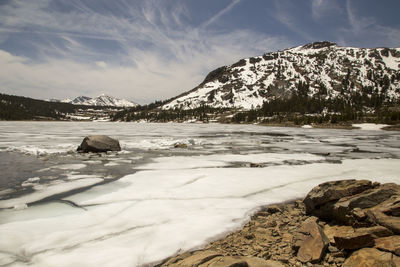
[
  {"x": 325, "y": 8},
  {"x": 101, "y": 64},
  {"x": 367, "y": 30},
  {"x": 157, "y": 54}
]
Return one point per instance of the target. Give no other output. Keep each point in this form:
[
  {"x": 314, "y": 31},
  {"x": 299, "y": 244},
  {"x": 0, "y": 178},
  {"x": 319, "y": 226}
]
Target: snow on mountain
[
  {"x": 330, "y": 71},
  {"x": 101, "y": 100}
]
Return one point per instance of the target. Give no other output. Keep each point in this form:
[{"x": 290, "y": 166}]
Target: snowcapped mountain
[
  {"x": 101, "y": 100},
  {"x": 326, "y": 69}
]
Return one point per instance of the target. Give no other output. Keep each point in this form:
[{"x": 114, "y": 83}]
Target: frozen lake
[{"x": 151, "y": 200}]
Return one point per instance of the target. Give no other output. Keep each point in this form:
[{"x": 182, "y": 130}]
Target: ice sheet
[
  {"x": 173, "y": 199},
  {"x": 151, "y": 215}
]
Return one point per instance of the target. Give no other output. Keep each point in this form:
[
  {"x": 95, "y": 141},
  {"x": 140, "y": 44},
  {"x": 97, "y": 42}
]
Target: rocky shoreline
[{"x": 340, "y": 223}]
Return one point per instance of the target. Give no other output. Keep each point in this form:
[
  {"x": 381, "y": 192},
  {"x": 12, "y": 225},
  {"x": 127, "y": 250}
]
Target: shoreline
[
  {"x": 302, "y": 233},
  {"x": 341, "y": 126}
]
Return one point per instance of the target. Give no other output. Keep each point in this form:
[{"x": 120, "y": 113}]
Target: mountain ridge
[
  {"x": 101, "y": 100},
  {"x": 328, "y": 70}
]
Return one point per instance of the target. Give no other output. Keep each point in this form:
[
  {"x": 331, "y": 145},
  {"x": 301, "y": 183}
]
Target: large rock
[
  {"x": 360, "y": 237},
  {"x": 371, "y": 257},
  {"x": 99, "y": 143},
  {"x": 332, "y": 191},
  {"x": 349, "y": 209},
  {"x": 357, "y": 203},
  {"x": 192, "y": 259},
  {"x": 241, "y": 261},
  {"x": 387, "y": 213},
  {"x": 212, "y": 258},
  {"x": 314, "y": 245},
  {"x": 390, "y": 243}
]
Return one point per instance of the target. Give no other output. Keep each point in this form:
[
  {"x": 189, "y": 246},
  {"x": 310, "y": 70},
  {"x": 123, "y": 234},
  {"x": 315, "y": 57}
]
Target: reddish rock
[
  {"x": 313, "y": 247},
  {"x": 241, "y": 261},
  {"x": 387, "y": 213},
  {"x": 360, "y": 237},
  {"x": 390, "y": 243},
  {"x": 370, "y": 257},
  {"x": 349, "y": 210},
  {"x": 332, "y": 191}
]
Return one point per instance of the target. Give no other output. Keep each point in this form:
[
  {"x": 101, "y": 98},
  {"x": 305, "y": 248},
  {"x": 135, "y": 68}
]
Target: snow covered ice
[{"x": 152, "y": 201}]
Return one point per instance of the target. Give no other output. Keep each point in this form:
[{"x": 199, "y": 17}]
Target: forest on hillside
[
  {"x": 366, "y": 105},
  {"x": 24, "y": 108}
]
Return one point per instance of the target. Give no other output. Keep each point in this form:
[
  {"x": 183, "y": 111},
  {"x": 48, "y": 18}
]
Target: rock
[
  {"x": 239, "y": 261},
  {"x": 98, "y": 143},
  {"x": 332, "y": 191},
  {"x": 348, "y": 210},
  {"x": 195, "y": 259},
  {"x": 337, "y": 230},
  {"x": 255, "y": 165},
  {"x": 180, "y": 145},
  {"x": 273, "y": 209},
  {"x": 387, "y": 213},
  {"x": 360, "y": 237},
  {"x": 390, "y": 243},
  {"x": 370, "y": 257},
  {"x": 314, "y": 245}
]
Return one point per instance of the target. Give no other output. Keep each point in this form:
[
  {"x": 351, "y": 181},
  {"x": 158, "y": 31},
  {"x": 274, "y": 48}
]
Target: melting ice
[{"x": 151, "y": 201}]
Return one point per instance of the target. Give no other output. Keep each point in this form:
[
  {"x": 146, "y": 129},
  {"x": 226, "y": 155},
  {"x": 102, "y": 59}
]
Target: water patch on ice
[
  {"x": 44, "y": 191},
  {"x": 215, "y": 160}
]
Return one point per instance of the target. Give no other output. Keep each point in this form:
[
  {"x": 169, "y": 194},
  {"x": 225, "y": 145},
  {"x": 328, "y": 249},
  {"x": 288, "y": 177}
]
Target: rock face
[
  {"x": 347, "y": 223},
  {"x": 99, "y": 143}
]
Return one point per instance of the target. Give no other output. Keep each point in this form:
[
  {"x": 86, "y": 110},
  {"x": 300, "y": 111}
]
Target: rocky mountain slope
[
  {"x": 101, "y": 100},
  {"x": 321, "y": 69}
]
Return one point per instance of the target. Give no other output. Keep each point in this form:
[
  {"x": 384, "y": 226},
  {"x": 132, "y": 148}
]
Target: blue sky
[{"x": 146, "y": 50}]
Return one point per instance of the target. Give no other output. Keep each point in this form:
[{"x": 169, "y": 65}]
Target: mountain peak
[
  {"x": 101, "y": 100},
  {"x": 319, "y": 69},
  {"x": 318, "y": 45}
]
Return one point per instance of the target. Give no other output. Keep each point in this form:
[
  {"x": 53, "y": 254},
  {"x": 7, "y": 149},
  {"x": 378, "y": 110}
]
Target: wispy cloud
[
  {"x": 283, "y": 15},
  {"x": 142, "y": 51},
  {"x": 367, "y": 30},
  {"x": 321, "y": 9},
  {"x": 220, "y": 14}
]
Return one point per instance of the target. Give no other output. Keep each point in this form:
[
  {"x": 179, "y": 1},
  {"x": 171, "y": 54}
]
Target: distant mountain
[
  {"x": 101, "y": 100},
  {"x": 320, "y": 70}
]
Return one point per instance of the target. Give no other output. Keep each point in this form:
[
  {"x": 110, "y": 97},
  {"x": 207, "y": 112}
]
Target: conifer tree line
[
  {"x": 366, "y": 105},
  {"x": 24, "y": 108}
]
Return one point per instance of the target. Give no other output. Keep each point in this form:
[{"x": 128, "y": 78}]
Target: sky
[{"x": 147, "y": 50}]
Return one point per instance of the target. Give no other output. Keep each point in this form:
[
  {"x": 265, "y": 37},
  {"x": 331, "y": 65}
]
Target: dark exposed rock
[
  {"x": 318, "y": 45},
  {"x": 99, "y": 143},
  {"x": 180, "y": 145}
]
